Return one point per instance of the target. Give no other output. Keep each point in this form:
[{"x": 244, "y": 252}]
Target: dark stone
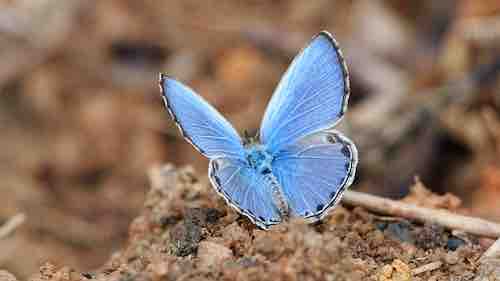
[
  {"x": 202, "y": 216},
  {"x": 400, "y": 231},
  {"x": 213, "y": 215},
  {"x": 431, "y": 236},
  {"x": 167, "y": 221},
  {"x": 186, "y": 235},
  {"x": 454, "y": 243},
  {"x": 184, "y": 239},
  {"x": 381, "y": 225}
]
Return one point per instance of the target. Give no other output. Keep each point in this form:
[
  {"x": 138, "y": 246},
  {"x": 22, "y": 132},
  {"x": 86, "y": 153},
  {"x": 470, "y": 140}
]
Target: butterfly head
[
  {"x": 257, "y": 157},
  {"x": 249, "y": 139}
]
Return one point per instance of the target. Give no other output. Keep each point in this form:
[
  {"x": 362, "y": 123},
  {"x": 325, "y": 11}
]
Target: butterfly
[{"x": 297, "y": 165}]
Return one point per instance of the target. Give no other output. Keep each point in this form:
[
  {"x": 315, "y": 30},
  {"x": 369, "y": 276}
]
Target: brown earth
[{"x": 186, "y": 232}]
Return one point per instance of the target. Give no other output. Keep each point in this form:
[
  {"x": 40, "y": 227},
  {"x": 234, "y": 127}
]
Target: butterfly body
[
  {"x": 258, "y": 158},
  {"x": 298, "y": 166}
]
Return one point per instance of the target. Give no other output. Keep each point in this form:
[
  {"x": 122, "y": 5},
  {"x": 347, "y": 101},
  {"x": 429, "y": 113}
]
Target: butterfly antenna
[{"x": 246, "y": 137}]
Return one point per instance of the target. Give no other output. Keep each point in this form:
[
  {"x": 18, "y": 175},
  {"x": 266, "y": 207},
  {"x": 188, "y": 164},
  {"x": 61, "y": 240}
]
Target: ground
[{"x": 186, "y": 232}]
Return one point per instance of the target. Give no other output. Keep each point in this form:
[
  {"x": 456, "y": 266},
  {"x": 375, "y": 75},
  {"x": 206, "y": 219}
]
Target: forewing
[
  {"x": 311, "y": 96},
  {"x": 201, "y": 124},
  {"x": 244, "y": 190},
  {"x": 315, "y": 171}
]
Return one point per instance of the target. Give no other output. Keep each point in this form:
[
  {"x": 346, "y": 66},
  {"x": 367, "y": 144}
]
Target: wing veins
[
  {"x": 317, "y": 93},
  {"x": 288, "y": 121},
  {"x": 232, "y": 176},
  {"x": 310, "y": 188},
  {"x": 301, "y": 194}
]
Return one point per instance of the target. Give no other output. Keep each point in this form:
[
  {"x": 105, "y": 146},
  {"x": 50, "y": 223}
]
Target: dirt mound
[{"x": 186, "y": 232}]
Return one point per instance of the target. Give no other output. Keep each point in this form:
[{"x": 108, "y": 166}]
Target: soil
[{"x": 186, "y": 232}]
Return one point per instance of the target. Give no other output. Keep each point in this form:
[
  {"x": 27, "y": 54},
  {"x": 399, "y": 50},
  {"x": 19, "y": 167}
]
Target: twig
[
  {"x": 7, "y": 228},
  {"x": 493, "y": 251},
  {"x": 427, "y": 267},
  {"x": 445, "y": 218}
]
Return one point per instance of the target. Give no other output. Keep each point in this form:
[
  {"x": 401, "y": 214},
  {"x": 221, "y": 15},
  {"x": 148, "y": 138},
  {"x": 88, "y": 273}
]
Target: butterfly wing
[
  {"x": 231, "y": 176},
  {"x": 311, "y": 96},
  {"x": 199, "y": 122},
  {"x": 244, "y": 189},
  {"x": 315, "y": 171}
]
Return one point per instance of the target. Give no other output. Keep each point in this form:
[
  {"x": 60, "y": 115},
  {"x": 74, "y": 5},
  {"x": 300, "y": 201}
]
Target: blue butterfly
[{"x": 297, "y": 166}]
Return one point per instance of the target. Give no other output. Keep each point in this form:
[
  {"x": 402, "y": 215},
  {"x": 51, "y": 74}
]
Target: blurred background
[{"x": 82, "y": 121}]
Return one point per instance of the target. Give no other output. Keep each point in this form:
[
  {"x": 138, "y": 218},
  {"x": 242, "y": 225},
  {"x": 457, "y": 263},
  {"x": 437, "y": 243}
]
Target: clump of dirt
[{"x": 186, "y": 232}]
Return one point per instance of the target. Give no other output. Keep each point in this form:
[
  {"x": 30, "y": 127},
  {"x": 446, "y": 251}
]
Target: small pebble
[
  {"x": 213, "y": 254},
  {"x": 453, "y": 243},
  {"x": 451, "y": 258},
  {"x": 184, "y": 238},
  {"x": 400, "y": 231},
  {"x": 382, "y": 225},
  {"x": 166, "y": 221},
  {"x": 247, "y": 261},
  {"x": 396, "y": 271},
  {"x": 485, "y": 242},
  {"x": 386, "y": 272},
  {"x": 402, "y": 273}
]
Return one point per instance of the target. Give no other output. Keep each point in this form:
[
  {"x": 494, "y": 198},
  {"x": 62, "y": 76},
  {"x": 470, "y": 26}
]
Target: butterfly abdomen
[
  {"x": 260, "y": 160},
  {"x": 279, "y": 198}
]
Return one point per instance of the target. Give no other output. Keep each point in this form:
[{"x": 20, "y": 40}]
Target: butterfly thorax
[{"x": 258, "y": 158}]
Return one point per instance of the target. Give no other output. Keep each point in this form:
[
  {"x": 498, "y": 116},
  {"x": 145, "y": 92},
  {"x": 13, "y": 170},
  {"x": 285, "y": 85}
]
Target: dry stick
[
  {"x": 7, "y": 228},
  {"x": 445, "y": 218},
  {"x": 427, "y": 267},
  {"x": 493, "y": 251}
]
